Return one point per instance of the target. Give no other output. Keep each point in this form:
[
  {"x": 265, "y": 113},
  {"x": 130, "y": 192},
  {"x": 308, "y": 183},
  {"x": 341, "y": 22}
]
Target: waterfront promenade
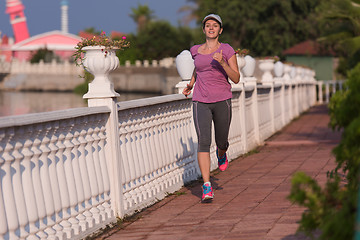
[{"x": 250, "y": 197}]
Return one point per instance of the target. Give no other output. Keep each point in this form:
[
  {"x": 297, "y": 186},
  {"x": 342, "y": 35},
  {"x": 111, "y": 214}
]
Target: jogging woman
[{"x": 215, "y": 63}]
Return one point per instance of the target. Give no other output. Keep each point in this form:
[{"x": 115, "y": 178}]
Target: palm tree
[
  {"x": 141, "y": 16},
  {"x": 191, "y": 11}
]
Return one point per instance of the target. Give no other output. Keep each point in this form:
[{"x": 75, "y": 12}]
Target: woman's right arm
[{"x": 190, "y": 85}]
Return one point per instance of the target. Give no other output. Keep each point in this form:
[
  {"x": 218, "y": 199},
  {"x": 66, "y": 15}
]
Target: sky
[{"x": 107, "y": 15}]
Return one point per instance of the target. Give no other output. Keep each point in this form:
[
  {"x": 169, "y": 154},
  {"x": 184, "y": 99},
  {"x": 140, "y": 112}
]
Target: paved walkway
[{"x": 250, "y": 197}]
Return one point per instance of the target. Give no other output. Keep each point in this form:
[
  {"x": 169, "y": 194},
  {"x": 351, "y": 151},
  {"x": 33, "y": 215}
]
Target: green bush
[
  {"x": 332, "y": 209},
  {"x": 83, "y": 88},
  {"x": 44, "y": 54}
]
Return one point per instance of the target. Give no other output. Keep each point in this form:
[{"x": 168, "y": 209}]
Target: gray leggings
[{"x": 204, "y": 114}]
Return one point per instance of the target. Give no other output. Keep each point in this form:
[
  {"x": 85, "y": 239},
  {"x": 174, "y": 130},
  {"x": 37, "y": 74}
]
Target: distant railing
[
  {"x": 66, "y": 68},
  {"x": 330, "y": 87},
  {"x": 66, "y": 174}
]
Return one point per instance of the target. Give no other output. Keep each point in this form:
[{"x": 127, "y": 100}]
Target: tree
[
  {"x": 340, "y": 20},
  {"x": 142, "y": 15},
  {"x": 92, "y": 31},
  {"x": 266, "y": 27},
  {"x": 159, "y": 40}
]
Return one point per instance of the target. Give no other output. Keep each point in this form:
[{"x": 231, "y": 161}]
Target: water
[{"x": 17, "y": 103}]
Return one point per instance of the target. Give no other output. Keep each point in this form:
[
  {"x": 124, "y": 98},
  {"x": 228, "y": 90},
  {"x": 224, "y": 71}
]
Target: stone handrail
[{"x": 66, "y": 174}]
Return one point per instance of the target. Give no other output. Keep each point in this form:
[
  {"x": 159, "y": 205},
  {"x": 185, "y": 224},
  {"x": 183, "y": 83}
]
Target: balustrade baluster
[
  {"x": 180, "y": 135},
  {"x": 92, "y": 174},
  {"x": 54, "y": 180},
  {"x": 18, "y": 185},
  {"x": 184, "y": 129},
  {"x": 11, "y": 204},
  {"x": 3, "y": 221},
  {"x": 153, "y": 154},
  {"x": 130, "y": 160},
  {"x": 28, "y": 189},
  {"x": 104, "y": 166},
  {"x": 144, "y": 156},
  {"x": 73, "y": 143},
  {"x": 172, "y": 138},
  {"x": 98, "y": 169},
  {"x": 127, "y": 170},
  {"x": 134, "y": 151},
  {"x": 149, "y": 167},
  {"x": 145, "y": 142},
  {"x": 45, "y": 181},
  {"x": 165, "y": 137},
  {"x": 37, "y": 185},
  {"x": 175, "y": 155},
  {"x": 159, "y": 150},
  {"x": 126, "y": 174},
  {"x": 70, "y": 172},
  {"x": 63, "y": 184},
  {"x": 84, "y": 172},
  {"x": 137, "y": 146},
  {"x": 160, "y": 134}
]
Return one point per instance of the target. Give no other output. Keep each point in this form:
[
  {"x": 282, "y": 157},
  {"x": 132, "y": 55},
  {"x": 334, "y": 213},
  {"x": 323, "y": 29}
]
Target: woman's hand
[
  {"x": 187, "y": 90},
  {"x": 218, "y": 56},
  {"x": 231, "y": 68}
]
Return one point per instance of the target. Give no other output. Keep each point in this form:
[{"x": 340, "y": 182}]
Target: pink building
[{"x": 62, "y": 44}]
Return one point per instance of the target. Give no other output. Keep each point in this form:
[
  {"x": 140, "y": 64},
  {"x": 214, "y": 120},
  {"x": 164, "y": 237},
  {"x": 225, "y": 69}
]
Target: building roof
[
  {"x": 54, "y": 40},
  {"x": 308, "y": 47}
]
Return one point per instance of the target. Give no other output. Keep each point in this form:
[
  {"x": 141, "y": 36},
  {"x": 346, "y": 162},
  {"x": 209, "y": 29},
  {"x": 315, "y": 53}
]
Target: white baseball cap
[{"x": 213, "y": 16}]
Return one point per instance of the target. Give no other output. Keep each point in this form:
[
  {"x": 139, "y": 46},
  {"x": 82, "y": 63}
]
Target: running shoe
[
  {"x": 223, "y": 162},
  {"x": 207, "y": 193}
]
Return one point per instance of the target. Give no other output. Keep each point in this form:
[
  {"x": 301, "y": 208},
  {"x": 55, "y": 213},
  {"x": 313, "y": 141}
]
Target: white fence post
[
  {"x": 268, "y": 80},
  {"x": 101, "y": 93},
  {"x": 279, "y": 79},
  {"x": 327, "y": 91},
  {"x": 243, "y": 116},
  {"x": 251, "y": 82},
  {"x": 320, "y": 93}
]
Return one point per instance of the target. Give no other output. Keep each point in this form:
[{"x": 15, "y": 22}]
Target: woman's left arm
[{"x": 231, "y": 68}]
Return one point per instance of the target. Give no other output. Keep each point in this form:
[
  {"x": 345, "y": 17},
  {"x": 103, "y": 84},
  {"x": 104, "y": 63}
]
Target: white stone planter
[
  {"x": 249, "y": 67},
  {"x": 278, "y": 69},
  {"x": 100, "y": 62},
  {"x": 266, "y": 65},
  {"x": 185, "y": 65},
  {"x": 240, "y": 61}
]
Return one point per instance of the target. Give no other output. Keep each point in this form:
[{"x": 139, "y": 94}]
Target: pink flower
[{"x": 123, "y": 37}]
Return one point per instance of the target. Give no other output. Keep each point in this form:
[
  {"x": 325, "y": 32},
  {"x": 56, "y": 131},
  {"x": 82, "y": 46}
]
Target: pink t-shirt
[{"x": 211, "y": 79}]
